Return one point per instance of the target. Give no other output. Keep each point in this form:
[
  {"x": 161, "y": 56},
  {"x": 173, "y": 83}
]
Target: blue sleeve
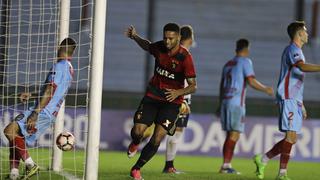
[
  {"x": 248, "y": 68},
  {"x": 62, "y": 75},
  {"x": 295, "y": 56}
]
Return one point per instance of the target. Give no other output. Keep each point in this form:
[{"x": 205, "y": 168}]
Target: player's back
[
  {"x": 60, "y": 77},
  {"x": 234, "y": 77}
]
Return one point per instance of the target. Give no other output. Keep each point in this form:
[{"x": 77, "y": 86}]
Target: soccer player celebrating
[
  {"x": 186, "y": 41},
  {"x": 236, "y": 74},
  {"x": 164, "y": 94},
  {"x": 290, "y": 99},
  {"x": 28, "y": 126}
]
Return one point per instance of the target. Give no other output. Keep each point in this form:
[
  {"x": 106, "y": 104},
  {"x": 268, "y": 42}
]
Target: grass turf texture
[{"x": 116, "y": 166}]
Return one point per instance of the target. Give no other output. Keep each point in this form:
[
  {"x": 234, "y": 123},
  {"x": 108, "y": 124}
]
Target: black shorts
[
  {"x": 182, "y": 121},
  {"x": 158, "y": 112}
]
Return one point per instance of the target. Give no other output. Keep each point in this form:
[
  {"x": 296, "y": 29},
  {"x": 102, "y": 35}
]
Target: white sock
[
  {"x": 29, "y": 162},
  {"x": 226, "y": 165},
  {"x": 172, "y": 148},
  {"x": 283, "y": 171},
  {"x": 265, "y": 159}
]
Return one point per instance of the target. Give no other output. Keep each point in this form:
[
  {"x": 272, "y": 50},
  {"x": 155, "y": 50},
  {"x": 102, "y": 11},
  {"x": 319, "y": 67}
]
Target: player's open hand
[
  {"x": 269, "y": 91},
  {"x": 24, "y": 97},
  {"x": 131, "y": 32},
  {"x": 31, "y": 122},
  {"x": 172, "y": 94}
]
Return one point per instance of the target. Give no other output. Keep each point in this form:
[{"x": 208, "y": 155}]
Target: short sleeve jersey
[
  {"x": 234, "y": 75},
  {"x": 170, "y": 71},
  {"x": 291, "y": 80},
  {"x": 60, "y": 77}
]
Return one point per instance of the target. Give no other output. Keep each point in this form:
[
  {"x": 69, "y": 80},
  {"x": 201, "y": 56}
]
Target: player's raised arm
[
  {"x": 255, "y": 84},
  {"x": 132, "y": 34}
]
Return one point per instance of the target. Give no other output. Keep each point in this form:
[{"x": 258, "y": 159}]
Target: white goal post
[
  {"x": 95, "y": 92},
  {"x": 64, "y": 20}
]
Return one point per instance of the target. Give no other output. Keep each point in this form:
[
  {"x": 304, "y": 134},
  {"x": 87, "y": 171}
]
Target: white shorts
[
  {"x": 43, "y": 123},
  {"x": 290, "y": 115},
  {"x": 232, "y": 117}
]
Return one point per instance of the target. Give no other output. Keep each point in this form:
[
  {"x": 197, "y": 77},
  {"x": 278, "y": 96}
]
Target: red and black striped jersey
[{"x": 170, "y": 71}]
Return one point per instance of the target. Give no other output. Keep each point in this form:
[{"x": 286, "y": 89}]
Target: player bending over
[{"x": 28, "y": 126}]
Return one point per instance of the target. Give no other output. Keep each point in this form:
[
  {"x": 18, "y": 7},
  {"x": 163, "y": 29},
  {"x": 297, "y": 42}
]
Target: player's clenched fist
[{"x": 131, "y": 32}]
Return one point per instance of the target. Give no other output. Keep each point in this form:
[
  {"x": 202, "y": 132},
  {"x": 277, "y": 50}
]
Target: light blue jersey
[
  {"x": 291, "y": 85},
  {"x": 234, "y": 77},
  {"x": 290, "y": 90},
  {"x": 60, "y": 77}
]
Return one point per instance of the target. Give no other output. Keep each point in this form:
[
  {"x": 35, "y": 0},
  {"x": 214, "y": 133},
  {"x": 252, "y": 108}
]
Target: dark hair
[
  {"x": 68, "y": 42},
  {"x": 68, "y": 45},
  {"x": 171, "y": 27},
  {"x": 242, "y": 44},
  {"x": 186, "y": 32},
  {"x": 294, "y": 27}
]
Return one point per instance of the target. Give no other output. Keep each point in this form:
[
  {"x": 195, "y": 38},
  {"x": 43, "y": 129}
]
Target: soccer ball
[{"x": 65, "y": 141}]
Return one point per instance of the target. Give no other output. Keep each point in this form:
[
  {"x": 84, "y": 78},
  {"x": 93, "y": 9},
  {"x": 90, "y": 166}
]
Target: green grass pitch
[{"x": 116, "y": 166}]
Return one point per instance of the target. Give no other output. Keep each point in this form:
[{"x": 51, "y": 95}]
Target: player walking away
[
  {"x": 237, "y": 73},
  {"x": 182, "y": 122},
  {"x": 164, "y": 94},
  {"x": 28, "y": 126},
  {"x": 290, "y": 99}
]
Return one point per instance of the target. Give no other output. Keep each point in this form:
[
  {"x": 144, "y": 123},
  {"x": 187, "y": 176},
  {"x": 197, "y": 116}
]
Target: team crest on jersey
[{"x": 174, "y": 64}]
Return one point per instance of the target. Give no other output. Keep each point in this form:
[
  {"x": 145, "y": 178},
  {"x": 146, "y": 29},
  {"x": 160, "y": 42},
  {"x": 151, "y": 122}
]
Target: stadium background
[{"x": 217, "y": 25}]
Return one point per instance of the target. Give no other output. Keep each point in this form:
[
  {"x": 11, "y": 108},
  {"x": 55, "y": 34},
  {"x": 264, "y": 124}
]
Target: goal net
[{"x": 28, "y": 48}]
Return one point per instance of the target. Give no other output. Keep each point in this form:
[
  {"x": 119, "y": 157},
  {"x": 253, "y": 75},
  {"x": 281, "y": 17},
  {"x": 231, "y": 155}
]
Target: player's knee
[
  {"x": 234, "y": 136},
  {"x": 291, "y": 137},
  {"x": 291, "y": 140}
]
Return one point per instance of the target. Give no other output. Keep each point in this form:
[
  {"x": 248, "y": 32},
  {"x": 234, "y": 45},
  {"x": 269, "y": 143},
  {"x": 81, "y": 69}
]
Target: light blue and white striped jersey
[
  {"x": 234, "y": 77},
  {"x": 60, "y": 77},
  {"x": 291, "y": 85}
]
